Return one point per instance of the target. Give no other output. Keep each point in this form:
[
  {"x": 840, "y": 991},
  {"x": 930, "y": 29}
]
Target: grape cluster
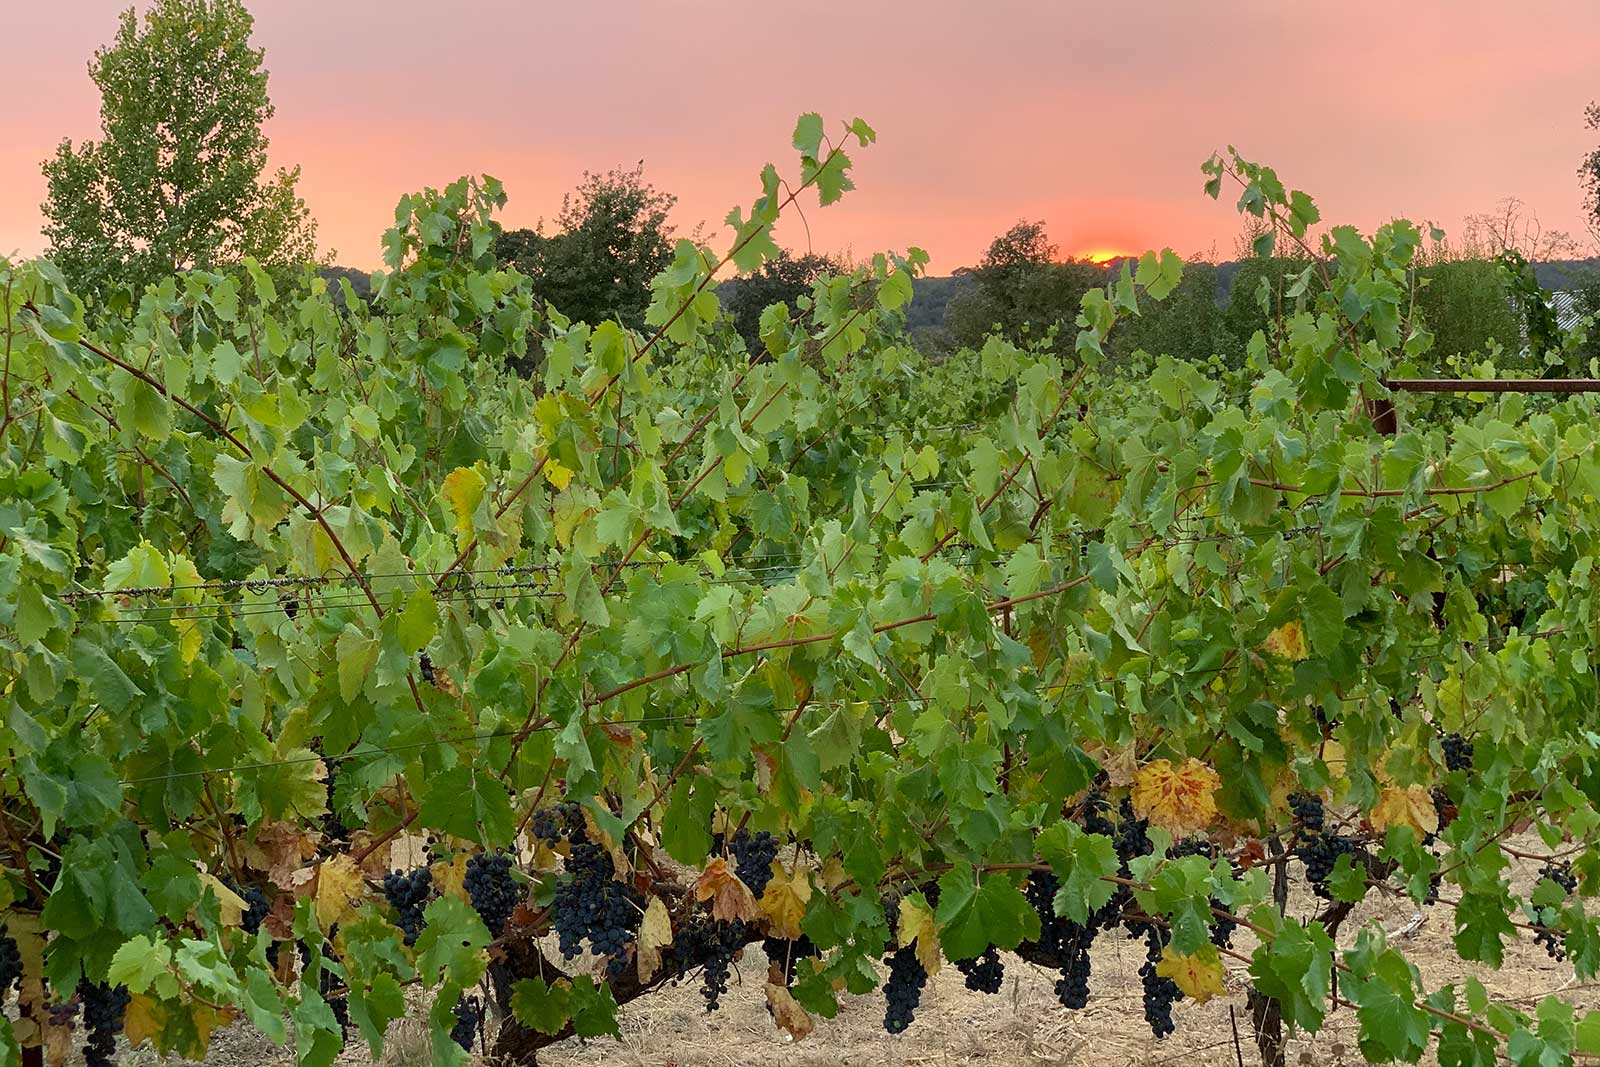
[
  {"x": 788, "y": 953},
  {"x": 1159, "y": 992},
  {"x": 903, "y": 990},
  {"x": 425, "y": 665},
  {"x": 10, "y": 965},
  {"x": 753, "y": 856},
  {"x": 408, "y": 894},
  {"x": 1097, "y": 814},
  {"x": 551, "y": 824},
  {"x": 1063, "y": 943},
  {"x": 1072, "y": 988},
  {"x": 493, "y": 891},
  {"x": 1553, "y": 943},
  {"x": 984, "y": 973},
  {"x": 103, "y": 1010},
  {"x": 594, "y": 905},
  {"x": 469, "y": 1022},
  {"x": 1307, "y": 810},
  {"x": 333, "y": 827},
  {"x": 256, "y": 905},
  {"x": 713, "y": 945},
  {"x": 1560, "y": 872},
  {"x": 1318, "y": 849},
  {"x": 1546, "y": 935},
  {"x": 1320, "y": 854},
  {"x": 1457, "y": 752}
]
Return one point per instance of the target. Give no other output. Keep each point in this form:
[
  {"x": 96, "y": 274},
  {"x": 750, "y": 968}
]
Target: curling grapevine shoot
[{"x": 342, "y": 663}]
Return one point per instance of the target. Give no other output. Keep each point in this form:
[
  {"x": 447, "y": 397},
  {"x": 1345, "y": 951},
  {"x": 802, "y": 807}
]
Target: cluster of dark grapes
[
  {"x": 469, "y": 1022},
  {"x": 1097, "y": 814},
  {"x": 1159, "y": 992},
  {"x": 10, "y": 965},
  {"x": 1063, "y": 943},
  {"x": 1318, "y": 849},
  {"x": 425, "y": 665},
  {"x": 1307, "y": 811},
  {"x": 788, "y": 953},
  {"x": 551, "y": 824},
  {"x": 1559, "y": 872},
  {"x": 705, "y": 942},
  {"x": 1457, "y": 752},
  {"x": 903, "y": 990},
  {"x": 408, "y": 894},
  {"x": 103, "y": 1010},
  {"x": 1072, "y": 988},
  {"x": 493, "y": 891},
  {"x": 256, "y": 905},
  {"x": 594, "y": 905},
  {"x": 753, "y": 856},
  {"x": 984, "y": 973}
]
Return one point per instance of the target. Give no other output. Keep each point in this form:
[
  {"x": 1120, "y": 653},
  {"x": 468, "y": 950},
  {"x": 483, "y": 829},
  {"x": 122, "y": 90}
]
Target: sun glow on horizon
[{"x": 1103, "y": 255}]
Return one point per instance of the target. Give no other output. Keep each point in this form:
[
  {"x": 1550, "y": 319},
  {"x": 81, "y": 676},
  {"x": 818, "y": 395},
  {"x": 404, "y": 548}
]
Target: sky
[{"x": 1093, "y": 117}]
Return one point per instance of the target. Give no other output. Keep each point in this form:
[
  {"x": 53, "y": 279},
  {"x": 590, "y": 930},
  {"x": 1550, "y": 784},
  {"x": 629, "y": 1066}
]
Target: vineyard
[{"x": 352, "y": 673}]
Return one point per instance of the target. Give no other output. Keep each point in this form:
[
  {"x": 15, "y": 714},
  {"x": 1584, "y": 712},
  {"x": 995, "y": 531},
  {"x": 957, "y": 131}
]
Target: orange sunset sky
[{"x": 1091, "y": 116}]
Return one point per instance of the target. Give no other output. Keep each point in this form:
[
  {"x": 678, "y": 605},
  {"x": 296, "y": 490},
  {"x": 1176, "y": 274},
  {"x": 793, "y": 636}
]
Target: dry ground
[{"x": 1023, "y": 1024}]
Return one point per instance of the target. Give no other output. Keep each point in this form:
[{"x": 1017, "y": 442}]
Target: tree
[
  {"x": 176, "y": 180},
  {"x": 1020, "y": 288},
  {"x": 780, "y": 280},
  {"x": 614, "y": 238},
  {"x": 1589, "y": 174}
]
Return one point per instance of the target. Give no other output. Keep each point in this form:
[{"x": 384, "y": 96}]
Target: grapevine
[{"x": 458, "y": 675}]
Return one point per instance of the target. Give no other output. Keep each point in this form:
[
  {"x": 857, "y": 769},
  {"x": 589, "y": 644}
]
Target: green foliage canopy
[{"x": 266, "y": 553}]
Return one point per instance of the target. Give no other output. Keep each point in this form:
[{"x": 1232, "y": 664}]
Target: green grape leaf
[
  {"x": 973, "y": 915},
  {"x": 451, "y": 946},
  {"x": 541, "y": 1007}
]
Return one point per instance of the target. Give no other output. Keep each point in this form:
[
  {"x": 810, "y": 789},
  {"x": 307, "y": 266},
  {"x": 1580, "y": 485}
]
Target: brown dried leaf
[
  {"x": 730, "y": 898},
  {"x": 279, "y": 848},
  {"x": 787, "y": 1012}
]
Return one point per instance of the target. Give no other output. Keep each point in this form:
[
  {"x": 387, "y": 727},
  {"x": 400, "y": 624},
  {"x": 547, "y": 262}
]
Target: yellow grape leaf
[
  {"x": 463, "y": 492},
  {"x": 143, "y": 1019},
  {"x": 787, "y": 1012},
  {"x": 784, "y": 901},
  {"x": 655, "y": 934},
  {"x": 917, "y": 925},
  {"x": 450, "y": 878},
  {"x": 556, "y": 474},
  {"x": 340, "y": 889},
  {"x": 1411, "y": 806},
  {"x": 233, "y": 905},
  {"x": 1287, "y": 641},
  {"x": 730, "y": 898},
  {"x": 1199, "y": 976},
  {"x": 1179, "y": 799}
]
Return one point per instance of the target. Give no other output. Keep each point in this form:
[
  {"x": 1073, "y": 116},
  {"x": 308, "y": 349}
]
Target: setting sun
[{"x": 1102, "y": 255}]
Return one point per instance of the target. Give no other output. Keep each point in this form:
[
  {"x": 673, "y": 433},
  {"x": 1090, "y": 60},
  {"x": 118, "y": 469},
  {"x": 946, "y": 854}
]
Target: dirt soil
[{"x": 1023, "y": 1024}]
